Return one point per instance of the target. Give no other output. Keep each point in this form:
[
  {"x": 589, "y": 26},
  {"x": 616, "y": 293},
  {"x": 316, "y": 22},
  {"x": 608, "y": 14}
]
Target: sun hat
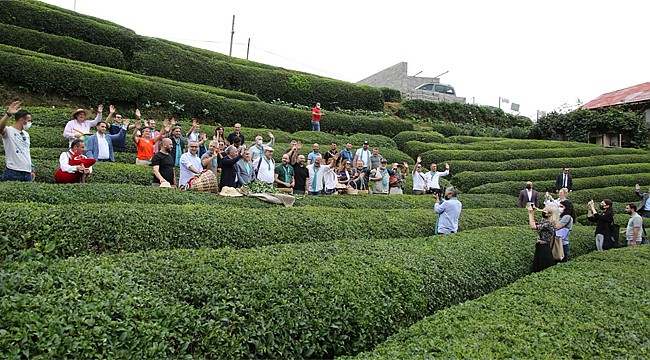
[
  {"x": 230, "y": 191},
  {"x": 74, "y": 113}
]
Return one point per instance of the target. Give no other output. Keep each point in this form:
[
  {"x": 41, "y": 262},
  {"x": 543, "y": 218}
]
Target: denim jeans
[
  {"x": 315, "y": 125},
  {"x": 13, "y": 175}
]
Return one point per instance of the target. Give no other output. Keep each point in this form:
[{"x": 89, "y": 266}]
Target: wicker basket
[
  {"x": 206, "y": 182},
  {"x": 285, "y": 190}
]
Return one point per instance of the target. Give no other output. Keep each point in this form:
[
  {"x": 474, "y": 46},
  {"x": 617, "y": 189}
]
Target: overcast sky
[{"x": 540, "y": 54}]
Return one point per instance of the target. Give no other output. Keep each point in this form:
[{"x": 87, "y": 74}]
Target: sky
[{"x": 539, "y": 54}]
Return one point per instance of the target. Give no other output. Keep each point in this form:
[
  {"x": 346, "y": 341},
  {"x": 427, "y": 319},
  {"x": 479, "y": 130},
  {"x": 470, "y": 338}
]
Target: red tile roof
[{"x": 632, "y": 94}]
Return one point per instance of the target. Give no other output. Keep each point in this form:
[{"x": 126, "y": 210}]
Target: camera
[{"x": 440, "y": 192}]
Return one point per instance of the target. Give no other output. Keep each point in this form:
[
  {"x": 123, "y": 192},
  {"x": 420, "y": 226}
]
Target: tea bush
[{"x": 595, "y": 314}]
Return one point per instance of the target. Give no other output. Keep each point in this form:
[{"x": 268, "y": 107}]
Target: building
[
  {"x": 395, "y": 77},
  {"x": 636, "y": 98}
]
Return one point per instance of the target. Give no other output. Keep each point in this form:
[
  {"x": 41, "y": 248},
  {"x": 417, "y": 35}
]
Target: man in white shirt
[
  {"x": 528, "y": 196},
  {"x": 78, "y": 127},
  {"x": 364, "y": 155},
  {"x": 190, "y": 164},
  {"x": 433, "y": 178},
  {"x": 265, "y": 166},
  {"x": 316, "y": 176},
  {"x": 420, "y": 185},
  {"x": 74, "y": 166},
  {"x": 256, "y": 150},
  {"x": 100, "y": 145},
  {"x": 16, "y": 143}
]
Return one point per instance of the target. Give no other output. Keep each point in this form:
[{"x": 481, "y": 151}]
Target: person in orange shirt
[{"x": 144, "y": 143}]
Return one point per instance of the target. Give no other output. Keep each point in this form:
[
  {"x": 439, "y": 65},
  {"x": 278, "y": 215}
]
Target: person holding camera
[
  {"x": 396, "y": 179},
  {"x": 604, "y": 221},
  {"x": 543, "y": 257},
  {"x": 433, "y": 178},
  {"x": 448, "y": 211}
]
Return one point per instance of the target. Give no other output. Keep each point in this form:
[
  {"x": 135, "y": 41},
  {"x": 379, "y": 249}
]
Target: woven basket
[
  {"x": 285, "y": 190},
  {"x": 362, "y": 192},
  {"x": 352, "y": 191},
  {"x": 206, "y": 182}
]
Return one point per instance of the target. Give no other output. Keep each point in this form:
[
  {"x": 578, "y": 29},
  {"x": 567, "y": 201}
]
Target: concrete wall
[{"x": 395, "y": 77}]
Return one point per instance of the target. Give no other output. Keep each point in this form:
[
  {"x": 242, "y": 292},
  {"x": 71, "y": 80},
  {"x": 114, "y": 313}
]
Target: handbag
[{"x": 557, "y": 249}]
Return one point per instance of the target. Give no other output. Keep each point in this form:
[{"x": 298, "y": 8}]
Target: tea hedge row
[
  {"x": 558, "y": 163},
  {"x": 620, "y": 219},
  {"x": 33, "y": 15},
  {"x": 62, "y": 46},
  {"x": 40, "y": 73},
  {"x": 316, "y": 300},
  {"x": 94, "y": 193},
  {"x": 598, "y": 312},
  {"x": 166, "y": 227},
  {"x": 505, "y": 155},
  {"x": 184, "y": 63},
  {"x": 414, "y": 148},
  {"x": 469, "y": 179},
  {"x": 514, "y": 187},
  {"x": 424, "y": 136}
]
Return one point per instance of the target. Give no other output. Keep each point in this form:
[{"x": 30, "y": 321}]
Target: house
[
  {"x": 395, "y": 77},
  {"x": 636, "y": 98}
]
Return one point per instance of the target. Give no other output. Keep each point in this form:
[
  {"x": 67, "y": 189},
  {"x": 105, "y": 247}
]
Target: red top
[
  {"x": 315, "y": 114},
  {"x": 145, "y": 149}
]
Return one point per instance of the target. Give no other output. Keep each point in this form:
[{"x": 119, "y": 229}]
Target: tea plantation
[{"x": 115, "y": 268}]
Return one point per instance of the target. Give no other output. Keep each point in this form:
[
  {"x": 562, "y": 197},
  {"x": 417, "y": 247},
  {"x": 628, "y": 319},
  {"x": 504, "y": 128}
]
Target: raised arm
[
  {"x": 98, "y": 118},
  {"x": 12, "y": 110},
  {"x": 135, "y": 136}
]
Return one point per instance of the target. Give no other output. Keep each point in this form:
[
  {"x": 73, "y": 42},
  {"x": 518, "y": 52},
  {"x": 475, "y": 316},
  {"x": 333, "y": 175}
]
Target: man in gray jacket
[
  {"x": 644, "y": 205},
  {"x": 244, "y": 169}
]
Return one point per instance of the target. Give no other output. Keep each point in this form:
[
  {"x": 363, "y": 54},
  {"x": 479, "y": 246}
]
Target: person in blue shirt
[{"x": 448, "y": 210}]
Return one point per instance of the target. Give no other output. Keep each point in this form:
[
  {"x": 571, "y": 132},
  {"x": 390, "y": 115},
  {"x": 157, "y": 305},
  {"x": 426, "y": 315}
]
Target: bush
[
  {"x": 96, "y": 193},
  {"x": 464, "y": 139},
  {"x": 118, "y": 173},
  {"x": 532, "y": 164},
  {"x": 618, "y": 194},
  {"x": 390, "y": 95},
  {"x": 445, "y": 129},
  {"x": 73, "y": 79},
  {"x": 505, "y": 155},
  {"x": 468, "y": 179},
  {"x": 51, "y": 224},
  {"x": 48, "y": 19},
  {"x": 424, "y": 136},
  {"x": 316, "y": 300},
  {"x": 619, "y": 218},
  {"x": 596, "y": 314},
  {"x": 324, "y": 139},
  {"x": 514, "y": 187},
  {"x": 154, "y": 105},
  {"x": 62, "y": 46},
  {"x": 166, "y": 60},
  {"x": 467, "y": 114}
]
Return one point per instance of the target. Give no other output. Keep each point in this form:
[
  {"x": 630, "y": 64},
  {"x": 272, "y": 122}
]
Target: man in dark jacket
[
  {"x": 564, "y": 180},
  {"x": 228, "y": 173},
  {"x": 528, "y": 196}
]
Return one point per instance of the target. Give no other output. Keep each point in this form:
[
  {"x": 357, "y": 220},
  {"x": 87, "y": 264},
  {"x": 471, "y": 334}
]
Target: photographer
[
  {"x": 449, "y": 212},
  {"x": 433, "y": 178}
]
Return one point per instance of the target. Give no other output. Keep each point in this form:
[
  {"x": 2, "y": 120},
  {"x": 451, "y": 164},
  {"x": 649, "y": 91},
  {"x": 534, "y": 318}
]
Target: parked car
[{"x": 439, "y": 88}]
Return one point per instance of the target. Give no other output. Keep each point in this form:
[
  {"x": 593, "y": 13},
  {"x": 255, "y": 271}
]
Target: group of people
[{"x": 559, "y": 215}]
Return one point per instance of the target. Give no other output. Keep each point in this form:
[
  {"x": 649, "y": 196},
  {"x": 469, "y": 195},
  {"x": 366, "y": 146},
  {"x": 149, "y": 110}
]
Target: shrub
[
  {"x": 620, "y": 219},
  {"x": 166, "y": 60},
  {"x": 468, "y": 179},
  {"x": 48, "y": 19},
  {"x": 316, "y": 300},
  {"x": 390, "y": 95},
  {"x": 618, "y": 194},
  {"x": 102, "y": 172},
  {"x": 505, "y": 155},
  {"x": 468, "y": 114},
  {"x": 74, "y": 79},
  {"x": 324, "y": 139},
  {"x": 51, "y": 224},
  {"x": 445, "y": 129},
  {"x": 96, "y": 193},
  {"x": 532, "y": 164},
  {"x": 514, "y": 187},
  {"x": 62, "y": 46},
  {"x": 155, "y": 105},
  {"x": 464, "y": 139},
  {"x": 424, "y": 136},
  {"x": 598, "y": 303}
]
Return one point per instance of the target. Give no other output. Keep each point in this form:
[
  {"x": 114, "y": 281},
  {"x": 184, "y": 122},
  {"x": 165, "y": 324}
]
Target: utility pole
[
  {"x": 248, "y": 48},
  {"x": 232, "y": 35},
  {"x": 74, "y": 7}
]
